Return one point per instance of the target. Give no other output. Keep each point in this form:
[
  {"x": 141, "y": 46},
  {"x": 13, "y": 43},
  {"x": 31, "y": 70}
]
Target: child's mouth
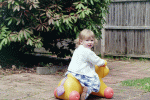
[{"x": 89, "y": 45}]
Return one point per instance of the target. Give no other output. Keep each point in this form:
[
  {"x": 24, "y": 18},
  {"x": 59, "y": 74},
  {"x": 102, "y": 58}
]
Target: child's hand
[{"x": 104, "y": 64}]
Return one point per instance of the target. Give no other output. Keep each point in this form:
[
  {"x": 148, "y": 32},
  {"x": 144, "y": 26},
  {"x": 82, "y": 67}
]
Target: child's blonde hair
[{"x": 85, "y": 34}]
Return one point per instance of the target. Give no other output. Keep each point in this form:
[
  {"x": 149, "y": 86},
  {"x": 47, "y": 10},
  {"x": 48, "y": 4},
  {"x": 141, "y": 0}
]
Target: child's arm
[{"x": 96, "y": 60}]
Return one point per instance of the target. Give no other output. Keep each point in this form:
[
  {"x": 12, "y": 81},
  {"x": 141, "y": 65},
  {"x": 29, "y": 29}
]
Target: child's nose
[{"x": 90, "y": 41}]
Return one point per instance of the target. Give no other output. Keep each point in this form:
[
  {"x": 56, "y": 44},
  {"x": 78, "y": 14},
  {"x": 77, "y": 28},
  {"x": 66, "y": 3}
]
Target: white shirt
[{"x": 84, "y": 60}]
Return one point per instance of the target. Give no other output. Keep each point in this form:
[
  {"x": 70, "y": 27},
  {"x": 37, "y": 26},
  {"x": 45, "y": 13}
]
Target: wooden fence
[{"x": 127, "y": 32}]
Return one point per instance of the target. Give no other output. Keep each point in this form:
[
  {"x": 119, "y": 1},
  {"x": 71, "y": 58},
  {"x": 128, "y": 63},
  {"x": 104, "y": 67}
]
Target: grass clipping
[{"x": 138, "y": 83}]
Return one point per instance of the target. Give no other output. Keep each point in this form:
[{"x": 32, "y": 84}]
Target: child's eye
[{"x": 92, "y": 40}]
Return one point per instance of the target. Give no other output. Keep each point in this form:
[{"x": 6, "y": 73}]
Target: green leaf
[
  {"x": 88, "y": 11},
  {"x": 29, "y": 31},
  {"x": 35, "y": 6},
  {"x": 13, "y": 37},
  {"x": 18, "y": 8},
  {"x": 9, "y": 1},
  {"x": 42, "y": 28},
  {"x": 4, "y": 29},
  {"x": 51, "y": 21},
  {"x": 0, "y": 47},
  {"x": 29, "y": 42},
  {"x": 80, "y": 6},
  {"x": 30, "y": 7},
  {"x": 8, "y": 39},
  {"x": 67, "y": 21},
  {"x": 92, "y": 2},
  {"x": 3, "y": 34},
  {"x": 70, "y": 26},
  {"x": 22, "y": 21},
  {"x": 22, "y": 7},
  {"x": 79, "y": 11},
  {"x": 8, "y": 18},
  {"x": 4, "y": 41},
  {"x": 85, "y": 1},
  {"x": 75, "y": 3},
  {"x": 10, "y": 21},
  {"x": 70, "y": 20},
  {"x": 1, "y": 44},
  {"x": 9, "y": 5},
  {"x": 75, "y": 29},
  {"x": 16, "y": 3},
  {"x": 38, "y": 45},
  {"x": 21, "y": 33},
  {"x": 83, "y": 14},
  {"x": 25, "y": 34},
  {"x": 90, "y": 27},
  {"x": 19, "y": 38},
  {"x": 60, "y": 29},
  {"x": 71, "y": 13},
  {"x": 103, "y": 15},
  {"x": 63, "y": 28},
  {"x": 18, "y": 22}
]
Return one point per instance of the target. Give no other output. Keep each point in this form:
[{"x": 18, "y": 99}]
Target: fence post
[{"x": 103, "y": 41}]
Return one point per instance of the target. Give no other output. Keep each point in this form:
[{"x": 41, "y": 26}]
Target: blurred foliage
[{"x": 47, "y": 23}]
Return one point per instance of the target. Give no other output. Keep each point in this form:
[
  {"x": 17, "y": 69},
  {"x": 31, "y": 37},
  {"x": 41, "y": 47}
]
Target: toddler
[{"x": 82, "y": 65}]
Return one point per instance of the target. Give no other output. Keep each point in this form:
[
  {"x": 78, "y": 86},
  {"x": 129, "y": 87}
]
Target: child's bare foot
[{"x": 83, "y": 95}]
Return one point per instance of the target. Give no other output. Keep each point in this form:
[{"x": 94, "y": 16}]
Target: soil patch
[{"x": 27, "y": 85}]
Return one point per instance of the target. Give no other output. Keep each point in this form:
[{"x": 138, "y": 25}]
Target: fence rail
[{"x": 127, "y": 32}]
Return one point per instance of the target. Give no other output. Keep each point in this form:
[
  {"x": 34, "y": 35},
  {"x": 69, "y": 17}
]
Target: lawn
[{"x": 138, "y": 83}]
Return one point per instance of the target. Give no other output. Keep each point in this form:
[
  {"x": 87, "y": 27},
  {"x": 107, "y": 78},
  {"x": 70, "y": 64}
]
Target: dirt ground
[{"x": 27, "y": 85}]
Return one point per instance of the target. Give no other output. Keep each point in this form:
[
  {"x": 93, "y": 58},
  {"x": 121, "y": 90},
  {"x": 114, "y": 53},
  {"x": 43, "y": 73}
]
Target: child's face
[{"x": 88, "y": 43}]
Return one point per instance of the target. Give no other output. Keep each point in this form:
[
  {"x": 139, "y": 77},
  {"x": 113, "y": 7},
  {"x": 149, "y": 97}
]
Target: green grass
[
  {"x": 124, "y": 58},
  {"x": 138, "y": 83},
  {"x": 143, "y": 59}
]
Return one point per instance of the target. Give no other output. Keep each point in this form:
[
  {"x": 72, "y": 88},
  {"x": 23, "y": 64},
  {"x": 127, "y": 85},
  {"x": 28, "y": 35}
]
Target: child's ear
[{"x": 80, "y": 41}]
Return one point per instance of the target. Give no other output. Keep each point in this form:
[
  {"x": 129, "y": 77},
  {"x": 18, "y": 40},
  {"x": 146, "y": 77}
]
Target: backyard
[
  {"x": 28, "y": 25},
  {"x": 25, "y": 84}
]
